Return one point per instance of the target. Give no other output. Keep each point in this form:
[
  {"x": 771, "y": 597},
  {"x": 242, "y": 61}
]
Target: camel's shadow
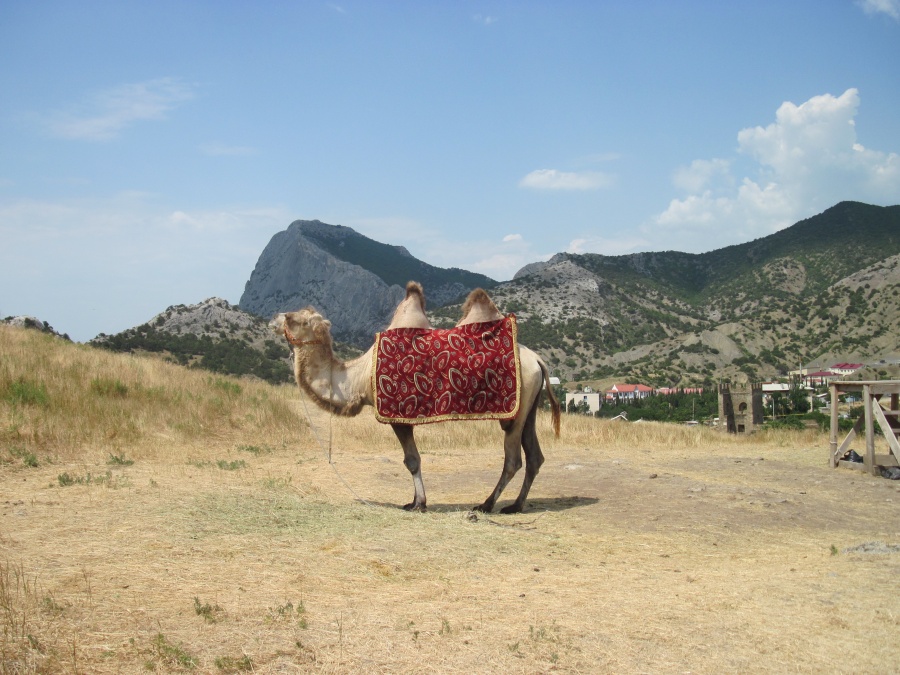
[{"x": 532, "y": 506}]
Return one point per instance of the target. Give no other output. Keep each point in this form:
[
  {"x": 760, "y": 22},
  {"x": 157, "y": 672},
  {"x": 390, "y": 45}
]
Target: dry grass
[{"x": 202, "y": 529}]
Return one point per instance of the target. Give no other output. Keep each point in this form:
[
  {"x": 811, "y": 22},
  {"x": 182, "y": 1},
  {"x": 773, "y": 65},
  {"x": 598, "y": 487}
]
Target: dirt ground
[{"x": 743, "y": 555}]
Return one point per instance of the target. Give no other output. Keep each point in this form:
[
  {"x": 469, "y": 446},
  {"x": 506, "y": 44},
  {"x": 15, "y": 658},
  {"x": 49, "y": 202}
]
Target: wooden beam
[
  {"x": 869, "y": 457},
  {"x": 886, "y": 429},
  {"x": 859, "y": 466},
  {"x": 833, "y": 458},
  {"x": 851, "y": 436}
]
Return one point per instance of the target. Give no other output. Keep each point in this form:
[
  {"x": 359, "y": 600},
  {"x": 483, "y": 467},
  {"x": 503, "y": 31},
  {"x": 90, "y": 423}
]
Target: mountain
[
  {"x": 826, "y": 287},
  {"x": 824, "y": 290},
  {"x": 353, "y": 280}
]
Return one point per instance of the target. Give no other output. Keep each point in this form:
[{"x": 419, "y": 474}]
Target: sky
[{"x": 150, "y": 150}]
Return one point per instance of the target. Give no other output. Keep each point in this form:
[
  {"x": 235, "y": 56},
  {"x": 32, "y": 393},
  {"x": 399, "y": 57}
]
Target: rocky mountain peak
[{"x": 354, "y": 281}]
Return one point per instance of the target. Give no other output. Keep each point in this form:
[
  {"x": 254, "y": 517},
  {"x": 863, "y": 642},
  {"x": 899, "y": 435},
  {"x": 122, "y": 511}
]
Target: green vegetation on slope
[
  {"x": 392, "y": 265},
  {"x": 227, "y": 356}
]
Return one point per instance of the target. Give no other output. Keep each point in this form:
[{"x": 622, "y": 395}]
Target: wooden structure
[{"x": 888, "y": 420}]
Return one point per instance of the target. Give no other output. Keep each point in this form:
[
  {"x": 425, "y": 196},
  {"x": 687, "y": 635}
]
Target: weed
[
  {"x": 108, "y": 387},
  {"x": 229, "y": 664},
  {"x": 119, "y": 460},
  {"x": 66, "y": 479},
  {"x": 28, "y": 458},
  {"x": 210, "y": 613},
  {"x": 173, "y": 655},
  {"x": 231, "y": 388},
  {"x": 274, "y": 483},
  {"x": 225, "y": 465},
  {"x": 25, "y": 392},
  {"x": 834, "y": 550},
  {"x": 50, "y": 606},
  {"x": 289, "y": 611},
  {"x": 255, "y": 449},
  {"x": 445, "y": 627}
]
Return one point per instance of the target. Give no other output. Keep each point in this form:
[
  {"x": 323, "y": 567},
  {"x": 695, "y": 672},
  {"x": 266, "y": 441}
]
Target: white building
[{"x": 591, "y": 398}]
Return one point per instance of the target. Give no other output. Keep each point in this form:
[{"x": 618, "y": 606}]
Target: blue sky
[{"x": 150, "y": 150}]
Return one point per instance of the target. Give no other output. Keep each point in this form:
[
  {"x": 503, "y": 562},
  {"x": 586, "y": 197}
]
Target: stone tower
[{"x": 740, "y": 408}]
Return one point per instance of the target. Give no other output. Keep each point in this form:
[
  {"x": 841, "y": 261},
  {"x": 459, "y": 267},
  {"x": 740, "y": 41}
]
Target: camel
[{"x": 345, "y": 388}]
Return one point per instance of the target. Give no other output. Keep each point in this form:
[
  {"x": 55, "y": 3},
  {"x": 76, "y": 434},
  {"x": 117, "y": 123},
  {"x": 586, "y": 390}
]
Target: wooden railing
[{"x": 888, "y": 421}]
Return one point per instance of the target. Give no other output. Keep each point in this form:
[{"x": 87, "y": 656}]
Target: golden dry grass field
[{"x": 162, "y": 519}]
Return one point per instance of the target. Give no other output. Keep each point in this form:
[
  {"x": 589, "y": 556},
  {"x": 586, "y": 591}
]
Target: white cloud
[
  {"x": 485, "y": 20},
  {"x": 106, "y": 114},
  {"x": 503, "y": 261},
  {"x": 889, "y": 7},
  {"x": 700, "y": 174},
  {"x": 807, "y": 160},
  {"x": 103, "y": 265},
  {"x": 551, "y": 179}
]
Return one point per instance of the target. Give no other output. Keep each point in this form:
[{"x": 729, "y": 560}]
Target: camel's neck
[{"x": 334, "y": 385}]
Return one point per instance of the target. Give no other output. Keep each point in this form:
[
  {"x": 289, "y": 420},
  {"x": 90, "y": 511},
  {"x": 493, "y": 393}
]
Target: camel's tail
[{"x": 551, "y": 396}]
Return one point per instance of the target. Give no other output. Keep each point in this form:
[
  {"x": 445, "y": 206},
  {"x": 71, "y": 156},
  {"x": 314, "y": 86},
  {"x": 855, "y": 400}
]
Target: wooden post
[
  {"x": 833, "y": 460},
  {"x": 870, "y": 430}
]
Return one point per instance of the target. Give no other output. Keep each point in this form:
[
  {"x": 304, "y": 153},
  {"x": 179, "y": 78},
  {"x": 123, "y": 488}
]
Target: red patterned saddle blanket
[{"x": 469, "y": 372}]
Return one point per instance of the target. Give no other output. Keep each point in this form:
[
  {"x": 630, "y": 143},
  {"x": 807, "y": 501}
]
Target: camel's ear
[{"x": 322, "y": 329}]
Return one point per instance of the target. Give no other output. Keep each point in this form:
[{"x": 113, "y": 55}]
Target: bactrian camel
[{"x": 344, "y": 388}]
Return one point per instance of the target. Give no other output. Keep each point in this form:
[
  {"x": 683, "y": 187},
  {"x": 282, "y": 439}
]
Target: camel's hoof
[
  {"x": 512, "y": 508},
  {"x": 483, "y": 508},
  {"x": 412, "y": 506}
]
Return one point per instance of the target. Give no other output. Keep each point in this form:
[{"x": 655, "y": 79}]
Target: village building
[
  {"x": 628, "y": 392},
  {"x": 666, "y": 391},
  {"x": 844, "y": 369},
  {"x": 591, "y": 399},
  {"x": 820, "y": 377}
]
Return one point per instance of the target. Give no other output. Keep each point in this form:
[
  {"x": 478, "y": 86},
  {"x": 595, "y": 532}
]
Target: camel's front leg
[
  {"x": 512, "y": 462},
  {"x": 413, "y": 462}
]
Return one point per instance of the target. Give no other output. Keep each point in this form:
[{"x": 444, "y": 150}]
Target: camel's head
[{"x": 303, "y": 327}]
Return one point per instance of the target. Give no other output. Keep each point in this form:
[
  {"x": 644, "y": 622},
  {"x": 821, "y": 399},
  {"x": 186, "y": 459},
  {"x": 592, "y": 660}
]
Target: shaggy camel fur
[{"x": 344, "y": 388}]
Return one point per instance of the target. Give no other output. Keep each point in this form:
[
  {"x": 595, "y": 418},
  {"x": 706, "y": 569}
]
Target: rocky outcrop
[
  {"x": 214, "y": 318},
  {"x": 293, "y": 272},
  {"x": 33, "y": 323},
  {"x": 309, "y": 264}
]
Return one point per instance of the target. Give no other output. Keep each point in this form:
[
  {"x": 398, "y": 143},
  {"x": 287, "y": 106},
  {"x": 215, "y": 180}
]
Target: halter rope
[{"x": 327, "y": 452}]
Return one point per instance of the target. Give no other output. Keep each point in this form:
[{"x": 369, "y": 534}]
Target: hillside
[
  {"x": 212, "y": 335},
  {"x": 827, "y": 287}
]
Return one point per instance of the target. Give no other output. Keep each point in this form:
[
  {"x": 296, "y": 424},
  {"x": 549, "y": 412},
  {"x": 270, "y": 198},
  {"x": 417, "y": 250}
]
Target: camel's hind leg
[
  {"x": 413, "y": 462},
  {"x": 534, "y": 458},
  {"x": 512, "y": 462}
]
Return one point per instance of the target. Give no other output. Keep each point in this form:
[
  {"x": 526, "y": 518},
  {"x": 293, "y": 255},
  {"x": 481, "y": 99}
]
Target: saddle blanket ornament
[{"x": 470, "y": 372}]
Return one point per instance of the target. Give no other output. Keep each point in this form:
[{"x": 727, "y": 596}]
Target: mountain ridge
[{"x": 828, "y": 286}]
